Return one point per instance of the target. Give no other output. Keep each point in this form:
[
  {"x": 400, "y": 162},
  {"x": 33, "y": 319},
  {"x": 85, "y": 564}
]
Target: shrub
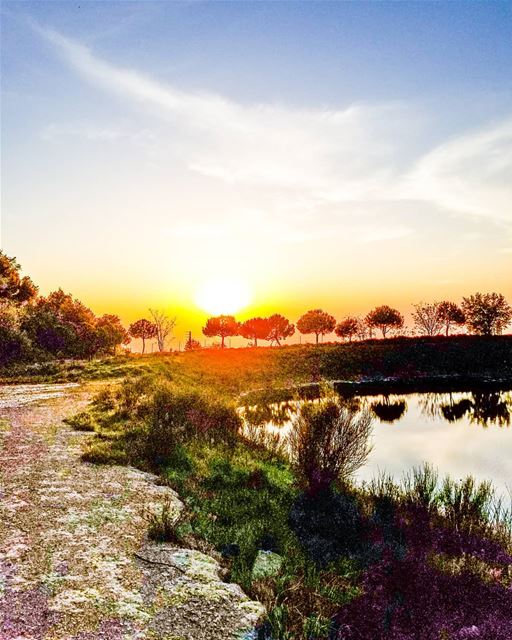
[
  {"x": 167, "y": 524},
  {"x": 328, "y": 441},
  {"x": 177, "y": 416},
  {"x": 466, "y": 504},
  {"x": 421, "y": 487},
  {"x": 83, "y": 421}
]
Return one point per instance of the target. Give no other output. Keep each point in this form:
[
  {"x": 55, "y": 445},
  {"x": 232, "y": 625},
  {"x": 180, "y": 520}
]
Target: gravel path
[{"x": 74, "y": 559}]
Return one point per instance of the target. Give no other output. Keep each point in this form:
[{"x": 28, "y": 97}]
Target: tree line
[
  {"x": 482, "y": 314},
  {"x": 35, "y": 327}
]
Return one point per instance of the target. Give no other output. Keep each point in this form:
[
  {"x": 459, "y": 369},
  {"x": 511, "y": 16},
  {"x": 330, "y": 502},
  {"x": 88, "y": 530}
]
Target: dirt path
[{"x": 74, "y": 559}]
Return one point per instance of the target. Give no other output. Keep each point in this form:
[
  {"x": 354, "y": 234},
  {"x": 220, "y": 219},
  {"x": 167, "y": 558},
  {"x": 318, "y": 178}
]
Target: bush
[
  {"x": 466, "y": 504},
  {"x": 328, "y": 441},
  {"x": 167, "y": 524},
  {"x": 14, "y": 346},
  {"x": 83, "y": 421},
  {"x": 177, "y": 416},
  {"x": 420, "y": 487}
]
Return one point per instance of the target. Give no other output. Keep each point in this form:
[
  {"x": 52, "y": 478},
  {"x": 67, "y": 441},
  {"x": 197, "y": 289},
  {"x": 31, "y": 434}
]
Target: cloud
[
  {"x": 470, "y": 174},
  {"x": 308, "y": 163},
  {"x": 335, "y": 153}
]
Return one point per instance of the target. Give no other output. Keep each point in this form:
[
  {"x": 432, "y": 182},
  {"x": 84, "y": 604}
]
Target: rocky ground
[{"x": 75, "y": 561}]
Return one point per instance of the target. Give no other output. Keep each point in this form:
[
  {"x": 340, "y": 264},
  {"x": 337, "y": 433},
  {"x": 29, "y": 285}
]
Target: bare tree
[
  {"x": 427, "y": 318},
  {"x": 329, "y": 441},
  {"x": 164, "y": 327}
]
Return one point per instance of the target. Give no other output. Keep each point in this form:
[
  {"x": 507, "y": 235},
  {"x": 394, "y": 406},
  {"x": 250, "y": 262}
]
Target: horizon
[{"x": 329, "y": 155}]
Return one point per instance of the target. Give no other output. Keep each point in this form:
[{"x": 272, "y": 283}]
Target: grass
[
  {"x": 239, "y": 497},
  {"x": 236, "y": 371}
]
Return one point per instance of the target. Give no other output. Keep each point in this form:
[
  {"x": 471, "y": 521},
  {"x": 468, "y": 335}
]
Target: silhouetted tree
[
  {"x": 255, "y": 329},
  {"x": 427, "y": 319},
  {"x": 143, "y": 329},
  {"x": 385, "y": 318},
  {"x": 191, "y": 344},
  {"x": 280, "y": 328},
  {"x": 14, "y": 288},
  {"x": 316, "y": 321},
  {"x": 486, "y": 313},
  {"x": 110, "y": 333},
  {"x": 449, "y": 313},
  {"x": 164, "y": 327},
  {"x": 347, "y": 328},
  {"x": 221, "y": 326},
  {"x": 363, "y": 330}
]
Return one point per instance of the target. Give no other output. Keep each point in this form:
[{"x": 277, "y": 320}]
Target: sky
[{"x": 335, "y": 155}]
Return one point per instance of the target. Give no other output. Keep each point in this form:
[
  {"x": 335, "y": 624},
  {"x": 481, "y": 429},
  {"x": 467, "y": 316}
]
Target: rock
[
  {"x": 189, "y": 599},
  {"x": 266, "y": 565}
]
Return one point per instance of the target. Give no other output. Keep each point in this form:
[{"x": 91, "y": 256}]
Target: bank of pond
[{"x": 397, "y": 551}]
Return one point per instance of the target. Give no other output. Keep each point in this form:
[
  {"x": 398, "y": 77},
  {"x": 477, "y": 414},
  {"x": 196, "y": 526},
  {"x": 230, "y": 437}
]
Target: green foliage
[
  {"x": 421, "y": 487},
  {"x": 83, "y": 421},
  {"x": 329, "y": 441},
  {"x": 466, "y": 504}
]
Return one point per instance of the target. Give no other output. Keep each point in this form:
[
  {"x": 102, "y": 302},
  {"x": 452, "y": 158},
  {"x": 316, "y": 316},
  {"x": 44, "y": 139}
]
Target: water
[
  {"x": 460, "y": 433},
  {"x": 17, "y": 395}
]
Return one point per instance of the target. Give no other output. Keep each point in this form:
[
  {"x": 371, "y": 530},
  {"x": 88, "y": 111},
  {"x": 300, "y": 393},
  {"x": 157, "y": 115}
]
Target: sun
[{"x": 223, "y": 296}]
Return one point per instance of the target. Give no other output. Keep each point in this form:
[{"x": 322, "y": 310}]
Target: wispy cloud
[
  {"x": 470, "y": 174},
  {"x": 310, "y": 159}
]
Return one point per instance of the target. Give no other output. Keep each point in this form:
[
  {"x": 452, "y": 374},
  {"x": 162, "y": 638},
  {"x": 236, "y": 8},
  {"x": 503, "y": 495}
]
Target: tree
[
  {"x": 164, "y": 327},
  {"x": 450, "y": 313},
  {"x": 62, "y": 325},
  {"x": 191, "y": 344},
  {"x": 280, "y": 328},
  {"x": 221, "y": 326},
  {"x": 385, "y": 318},
  {"x": 316, "y": 321},
  {"x": 255, "y": 329},
  {"x": 14, "y": 288},
  {"x": 347, "y": 328},
  {"x": 427, "y": 318},
  {"x": 110, "y": 333},
  {"x": 363, "y": 330},
  {"x": 487, "y": 313},
  {"x": 143, "y": 329}
]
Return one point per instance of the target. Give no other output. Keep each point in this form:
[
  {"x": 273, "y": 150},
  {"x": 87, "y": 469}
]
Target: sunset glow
[
  {"x": 222, "y": 296},
  {"x": 314, "y": 175}
]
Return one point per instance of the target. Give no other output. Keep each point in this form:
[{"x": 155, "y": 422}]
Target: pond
[{"x": 459, "y": 433}]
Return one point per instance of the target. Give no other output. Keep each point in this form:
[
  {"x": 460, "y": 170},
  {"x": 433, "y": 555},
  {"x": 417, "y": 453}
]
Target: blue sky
[{"x": 307, "y": 147}]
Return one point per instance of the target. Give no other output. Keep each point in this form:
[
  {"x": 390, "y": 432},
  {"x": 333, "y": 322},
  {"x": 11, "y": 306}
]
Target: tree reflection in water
[
  {"x": 388, "y": 410},
  {"x": 479, "y": 407}
]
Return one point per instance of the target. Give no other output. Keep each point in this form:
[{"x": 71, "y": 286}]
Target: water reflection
[
  {"x": 484, "y": 408},
  {"x": 427, "y": 427},
  {"x": 389, "y": 410}
]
